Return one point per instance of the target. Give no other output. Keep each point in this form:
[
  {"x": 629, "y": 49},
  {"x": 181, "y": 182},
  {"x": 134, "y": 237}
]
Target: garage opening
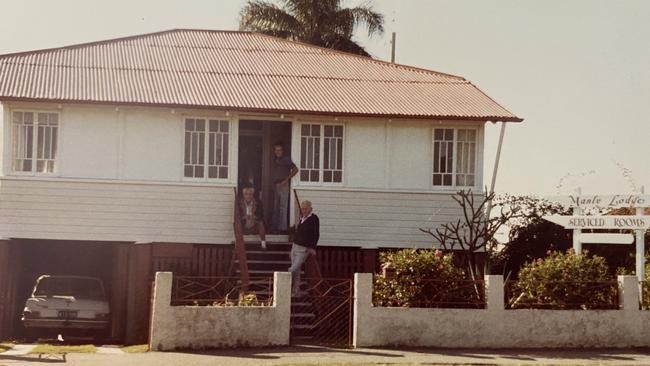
[{"x": 103, "y": 260}]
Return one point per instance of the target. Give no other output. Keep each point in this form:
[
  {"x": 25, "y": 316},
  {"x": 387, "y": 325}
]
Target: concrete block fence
[
  {"x": 496, "y": 327},
  {"x": 199, "y": 327}
]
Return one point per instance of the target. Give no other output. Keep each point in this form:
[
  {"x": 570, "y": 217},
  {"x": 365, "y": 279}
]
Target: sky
[{"x": 577, "y": 71}]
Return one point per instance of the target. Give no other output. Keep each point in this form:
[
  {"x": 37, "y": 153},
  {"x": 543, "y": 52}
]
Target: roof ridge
[
  {"x": 85, "y": 44},
  {"x": 324, "y": 49},
  {"x": 343, "y": 53}
]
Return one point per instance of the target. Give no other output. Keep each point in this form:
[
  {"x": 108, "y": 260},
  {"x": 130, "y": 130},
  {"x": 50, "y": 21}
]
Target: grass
[
  {"x": 6, "y": 346},
  {"x": 51, "y": 349},
  {"x": 138, "y": 348}
]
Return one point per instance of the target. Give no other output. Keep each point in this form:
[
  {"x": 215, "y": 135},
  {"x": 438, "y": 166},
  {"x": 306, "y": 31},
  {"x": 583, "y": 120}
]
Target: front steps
[{"x": 276, "y": 258}]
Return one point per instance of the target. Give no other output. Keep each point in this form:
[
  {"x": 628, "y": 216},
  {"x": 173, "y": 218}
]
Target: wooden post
[
  {"x": 640, "y": 246},
  {"x": 496, "y": 169},
  {"x": 6, "y": 307},
  {"x": 577, "y": 244}
]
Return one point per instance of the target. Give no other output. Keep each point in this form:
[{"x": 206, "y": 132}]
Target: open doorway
[{"x": 256, "y": 157}]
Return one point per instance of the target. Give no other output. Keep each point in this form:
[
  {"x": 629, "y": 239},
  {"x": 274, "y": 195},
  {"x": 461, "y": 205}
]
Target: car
[{"x": 68, "y": 305}]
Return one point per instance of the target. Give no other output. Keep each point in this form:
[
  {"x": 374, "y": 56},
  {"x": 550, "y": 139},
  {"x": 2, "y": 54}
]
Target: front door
[{"x": 256, "y": 140}]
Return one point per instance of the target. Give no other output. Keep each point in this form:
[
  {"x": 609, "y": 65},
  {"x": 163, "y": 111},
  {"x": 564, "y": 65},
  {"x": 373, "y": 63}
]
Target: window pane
[
  {"x": 188, "y": 171},
  {"x": 437, "y": 179},
  {"x": 213, "y": 172},
  {"x": 315, "y": 130},
  {"x": 200, "y": 125},
  {"x": 189, "y": 124},
  {"x": 304, "y": 130},
  {"x": 223, "y": 172},
  {"x": 214, "y": 126},
  {"x": 225, "y": 126},
  {"x": 327, "y": 176},
  {"x": 328, "y": 154},
  {"x": 224, "y": 160},
  {"x": 314, "y": 176},
  {"x": 338, "y": 176},
  {"x": 198, "y": 171},
  {"x": 338, "y": 131},
  {"x": 304, "y": 175},
  {"x": 447, "y": 179},
  {"x": 188, "y": 147},
  {"x": 339, "y": 154},
  {"x": 329, "y": 131},
  {"x": 449, "y": 134},
  {"x": 438, "y": 134}
]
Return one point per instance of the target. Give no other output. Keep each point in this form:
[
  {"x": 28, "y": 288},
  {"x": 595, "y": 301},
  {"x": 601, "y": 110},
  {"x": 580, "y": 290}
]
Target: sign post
[
  {"x": 640, "y": 247},
  {"x": 638, "y": 223}
]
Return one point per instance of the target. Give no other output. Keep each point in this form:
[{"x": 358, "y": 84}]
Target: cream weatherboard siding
[
  {"x": 379, "y": 219},
  {"x": 137, "y": 212},
  {"x": 119, "y": 176}
]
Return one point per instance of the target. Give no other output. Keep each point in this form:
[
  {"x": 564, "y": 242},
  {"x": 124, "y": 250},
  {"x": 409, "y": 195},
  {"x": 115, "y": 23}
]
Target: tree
[
  {"x": 319, "y": 22},
  {"x": 474, "y": 231}
]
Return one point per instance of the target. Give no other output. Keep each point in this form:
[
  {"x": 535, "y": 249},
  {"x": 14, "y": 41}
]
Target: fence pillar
[
  {"x": 282, "y": 303},
  {"x": 362, "y": 303},
  {"x": 628, "y": 292},
  {"x": 162, "y": 297},
  {"x": 494, "y": 292}
]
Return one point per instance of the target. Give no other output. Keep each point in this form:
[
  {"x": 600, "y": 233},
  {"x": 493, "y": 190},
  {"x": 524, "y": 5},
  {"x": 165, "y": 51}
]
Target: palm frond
[
  {"x": 366, "y": 16},
  {"x": 268, "y": 18}
]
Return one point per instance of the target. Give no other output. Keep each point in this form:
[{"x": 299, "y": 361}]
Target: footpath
[{"x": 308, "y": 355}]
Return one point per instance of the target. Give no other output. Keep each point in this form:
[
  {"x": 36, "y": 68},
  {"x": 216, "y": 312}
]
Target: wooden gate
[{"x": 323, "y": 315}]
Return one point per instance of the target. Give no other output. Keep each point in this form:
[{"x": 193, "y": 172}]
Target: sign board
[
  {"x": 601, "y": 222},
  {"x": 606, "y": 238},
  {"x": 602, "y": 201}
]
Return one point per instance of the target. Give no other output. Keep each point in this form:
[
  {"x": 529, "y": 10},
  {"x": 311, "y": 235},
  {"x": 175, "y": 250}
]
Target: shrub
[
  {"x": 564, "y": 280},
  {"x": 425, "y": 278}
]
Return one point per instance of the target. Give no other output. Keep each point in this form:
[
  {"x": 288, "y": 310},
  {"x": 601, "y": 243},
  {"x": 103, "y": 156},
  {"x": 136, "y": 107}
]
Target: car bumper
[{"x": 67, "y": 324}]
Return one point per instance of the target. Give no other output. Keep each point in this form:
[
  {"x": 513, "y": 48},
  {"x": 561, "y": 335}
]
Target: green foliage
[
  {"x": 423, "y": 278},
  {"x": 248, "y": 300},
  {"x": 318, "y": 22},
  {"x": 564, "y": 280}
]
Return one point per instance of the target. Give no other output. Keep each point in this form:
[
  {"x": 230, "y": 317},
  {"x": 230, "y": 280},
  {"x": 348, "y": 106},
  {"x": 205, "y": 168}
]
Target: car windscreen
[{"x": 81, "y": 288}]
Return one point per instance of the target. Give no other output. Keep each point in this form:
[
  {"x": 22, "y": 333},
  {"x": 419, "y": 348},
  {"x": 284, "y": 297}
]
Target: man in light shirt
[{"x": 304, "y": 243}]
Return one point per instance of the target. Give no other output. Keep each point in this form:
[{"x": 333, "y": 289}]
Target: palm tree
[{"x": 319, "y": 22}]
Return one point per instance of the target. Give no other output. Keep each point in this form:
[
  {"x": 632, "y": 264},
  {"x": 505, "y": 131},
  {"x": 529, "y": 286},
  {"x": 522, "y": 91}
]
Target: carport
[{"x": 22, "y": 261}]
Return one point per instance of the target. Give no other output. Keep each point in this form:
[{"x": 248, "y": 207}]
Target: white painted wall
[
  {"x": 57, "y": 208},
  {"x": 201, "y": 327},
  {"x": 496, "y": 327},
  {"x": 372, "y": 219},
  {"x": 385, "y": 197}
]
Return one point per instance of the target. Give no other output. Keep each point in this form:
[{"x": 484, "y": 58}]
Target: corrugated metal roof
[{"x": 239, "y": 71}]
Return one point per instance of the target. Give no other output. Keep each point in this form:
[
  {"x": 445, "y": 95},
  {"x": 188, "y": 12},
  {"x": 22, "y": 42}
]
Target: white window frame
[
  {"x": 206, "y": 148},
  {"x": 322, "y": 153},
  {"x": 477, "y": 170},
  {"x": 57, "y": 159}
]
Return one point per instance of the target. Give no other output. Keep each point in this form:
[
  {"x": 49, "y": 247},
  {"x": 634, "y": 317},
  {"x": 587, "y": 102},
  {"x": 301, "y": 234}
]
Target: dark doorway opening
[
  {"x": 103, "y": 260},
  {"x": 256, "y": 140}
]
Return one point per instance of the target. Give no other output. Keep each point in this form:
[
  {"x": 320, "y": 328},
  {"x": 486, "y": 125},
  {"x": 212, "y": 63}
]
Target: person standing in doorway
[
  {"x": 283, "y": 170},
  {"x": 304, "y": 243}
]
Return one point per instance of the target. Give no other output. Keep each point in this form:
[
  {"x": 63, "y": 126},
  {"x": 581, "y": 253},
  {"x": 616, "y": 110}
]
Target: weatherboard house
[{"x": 121, "y": 157}]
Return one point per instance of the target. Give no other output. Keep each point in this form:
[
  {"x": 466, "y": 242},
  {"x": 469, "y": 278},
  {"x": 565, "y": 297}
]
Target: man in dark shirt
[
  {"x": 304, "y": 243},
  {"x": 283, "y": 170}
]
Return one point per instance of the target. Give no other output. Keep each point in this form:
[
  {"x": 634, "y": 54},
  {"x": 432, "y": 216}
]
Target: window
[
  {"x": 454, "y": 157},
  {"x": 321, "y": 153},
  {"x": 35, "y": 141},
  {"x": 206, "y": 140}
]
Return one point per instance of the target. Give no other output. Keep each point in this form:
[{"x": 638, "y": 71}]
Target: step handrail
[{"x": 240, "y": 245}]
